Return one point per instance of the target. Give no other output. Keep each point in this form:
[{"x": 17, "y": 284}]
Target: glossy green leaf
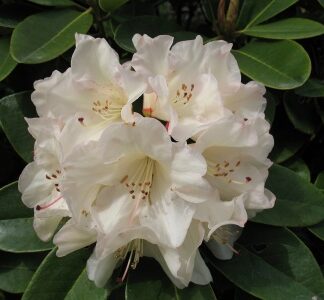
[
  {"x": 53, "y": 2},
  {"x": 280, "y": 65},
  {"x": 35, "y": 46},
  {"x": 16, "y": 270},
  {"x": 7, "y": 64},
  {"x": 84, "y": 289},
  {"x": 280, "y": 248},
  {"x": 321, "y": 2},
  {"x": 302, "y": 113},
  {"x": 292, "y": 28},
  {"x": 18, "y": 235},
  {"x": 11, "y": 206},
  {"x": 57, "y": 277},
  {"x": 16, "y": 224},
  {"x": 299, "y": 167},
  {"x": 144, "y": 284},
  {"x": 13, "y": 109},
  {"x": 319, "y": 182},
  {"x": 149, "y": 25},
  {"x": 254, "y": 275},
  {"x": 111, "y": 5},
  {"x": 255, "y": 12},
  {"x": 312, "y": 88},
  {"x": 298, "y": 202}
]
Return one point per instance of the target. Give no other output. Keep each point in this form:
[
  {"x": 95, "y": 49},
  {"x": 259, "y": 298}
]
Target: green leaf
[
  {"x": 84, "y": 289},
  {"x": 321, "y": 2},
  {"x": 144, "y": 284},
  {"x": 63, "y": 278},
  {"x": 311, "y": 88},
  {"x": 7, "y": 64},
  {"x": 301, "y": 113},
  {"x": 283, "y": 250},
  {"x": 35, "y": 46},
  {"x": 255, "y": 12},
  {"x": 252, "y": 274},
  {"x": 281, "y": 65},
  {"x": 319, "y": 182},
  {"x": 111, "y": 5},
  {"x": 18, "y": 235},
  {"x": 299, "y": 167},
  {"x": 16, "y": 224},
  {"x": 292, "y": 28},
  {"x": 11, "y": 206},
  {"x": 16, "y": 270},
  {"x": 13, "y": 109},
  {"x": 298, "y": 202},
  {"x": 150, "y": 25},
  {"x": 53, "y": 2}
]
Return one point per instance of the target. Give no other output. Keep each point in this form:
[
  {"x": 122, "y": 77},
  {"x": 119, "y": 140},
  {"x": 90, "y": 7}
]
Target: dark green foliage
[{"x": 275, "y": 262}]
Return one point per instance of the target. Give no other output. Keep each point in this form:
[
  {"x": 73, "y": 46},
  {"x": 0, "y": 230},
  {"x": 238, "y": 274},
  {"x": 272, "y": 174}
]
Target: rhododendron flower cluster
[{"x": 189, "y": 166}]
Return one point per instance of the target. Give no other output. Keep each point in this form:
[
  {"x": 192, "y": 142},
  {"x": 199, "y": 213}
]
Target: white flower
[
  {"x": 135, "y": 185},
  {"x": 236, "y": 153},
  {"x": 188, "y": 83},
  {"x": 182, "y": 264},
  {"x": 40, "y": 181},
  {"x": 96, "y": 87}
]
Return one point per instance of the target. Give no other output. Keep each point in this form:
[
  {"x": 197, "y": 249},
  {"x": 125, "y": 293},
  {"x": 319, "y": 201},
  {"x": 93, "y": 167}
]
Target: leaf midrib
[
  {"x": 259, "y": 14},
  {"x": 266, "y": 65},
  {"x": 24, "y": 59}
]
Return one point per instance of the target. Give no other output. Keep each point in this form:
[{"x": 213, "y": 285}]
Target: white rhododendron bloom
[
  {"x": 135, "y": 186},
  {"x": 97, "y": 87},
  {"x": 186, "y": 83},
  {"x": 40, "y": 181}
]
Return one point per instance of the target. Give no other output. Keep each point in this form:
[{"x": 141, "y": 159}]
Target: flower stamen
[
  {"x": 225, "y": 170},
  {"x": 135, "y": 251},
  {"x": 40, "y": 207}
]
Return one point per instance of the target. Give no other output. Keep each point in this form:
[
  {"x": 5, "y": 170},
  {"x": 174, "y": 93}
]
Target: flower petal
[
  {"x": 33, "y": 185},
  {"x": 72, "y": 237},
  {"x": 94, "y": 61},
  {"x": 152, "y": 54},
  {"x": 201, "y": 274},
  {"x": 181, "y": 260},
  {"x": 46, "y": 227},
  {"x": 100, "y": 269}
]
